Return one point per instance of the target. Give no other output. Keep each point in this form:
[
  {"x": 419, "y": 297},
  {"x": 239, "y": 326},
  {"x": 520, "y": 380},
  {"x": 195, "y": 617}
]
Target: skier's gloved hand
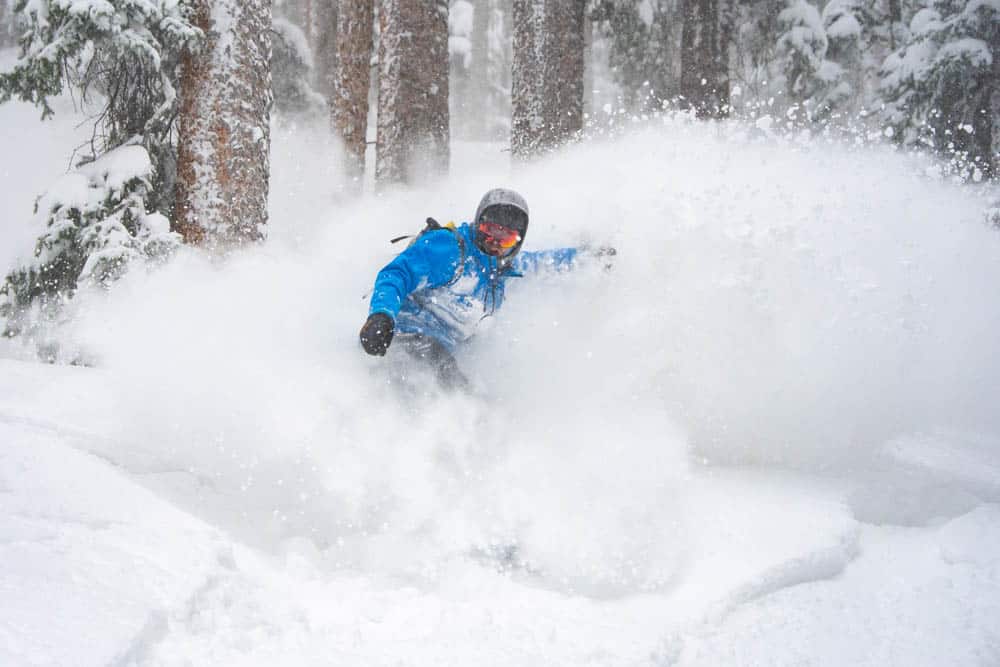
[
  {"x": 600, "y": 252},
  {"x": 604, "y": 254},
  {"x": 376, "y": 334}
]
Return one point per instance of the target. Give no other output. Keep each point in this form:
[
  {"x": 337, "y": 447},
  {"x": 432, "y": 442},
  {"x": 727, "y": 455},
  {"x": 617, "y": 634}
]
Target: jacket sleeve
[
  {"x": 430, "y": 262},
  {"x": 558, "y": 259}
]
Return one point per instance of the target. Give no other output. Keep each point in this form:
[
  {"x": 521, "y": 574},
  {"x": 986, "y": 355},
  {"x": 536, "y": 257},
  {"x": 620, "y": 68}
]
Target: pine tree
[
  {"x": 940, "y": 88},
  {"x": 6, "y": 24},
  {"x": 113, "y": 209},
  {"x": 528, "y": 131},
  {"x": 547, "y": 79},
  {"x": 801, "y": 50},
  {"x": 894, "y": 19},
  {"x": 298, "y": 12},
  {"x": 756, "y": 65},
  {"x": 565, "y": 66},
  {"x": 846, "y": 23},
  {"x": 224, "y": 117},
  {"x": 95, "y": 226},
  {"x": 643, "y": 49},
  {"x": 125, "y": 51},
  {"x": 325, "y": 52},
  {"x": 707, "y": 32},
  {"x": 413, "y": 121},
  {"x": 349, "y": 104},
  {"x": 292, "y": 72}
]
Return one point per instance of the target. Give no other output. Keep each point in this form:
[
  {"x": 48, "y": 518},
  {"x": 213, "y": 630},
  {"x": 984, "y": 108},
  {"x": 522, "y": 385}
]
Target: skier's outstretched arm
[
  {"x": 556, "y": 259},
  {"x": 561, "y": 259},
  {"x": 430, "y": 262}
]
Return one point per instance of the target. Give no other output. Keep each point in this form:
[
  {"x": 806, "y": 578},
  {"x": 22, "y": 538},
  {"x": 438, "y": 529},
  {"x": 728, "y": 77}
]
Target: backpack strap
[
  {"x": 432, "y": 225},
  {"x": 429, "y": 226},
  {"x": 460, "y": 267}
]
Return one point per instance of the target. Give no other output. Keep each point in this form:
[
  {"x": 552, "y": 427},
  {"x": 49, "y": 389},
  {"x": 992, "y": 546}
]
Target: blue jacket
[{"x": 424, "y": 292}]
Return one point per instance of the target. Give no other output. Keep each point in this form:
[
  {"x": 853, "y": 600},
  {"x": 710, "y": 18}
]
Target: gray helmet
[
  {"x": 504, "y": 207},
  {"x": 498, "y": 196}
]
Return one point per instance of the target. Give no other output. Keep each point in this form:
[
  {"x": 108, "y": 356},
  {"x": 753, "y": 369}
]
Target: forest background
[
  {"x": 182, "y": 96},
  {"x": 767, "y": 436}
]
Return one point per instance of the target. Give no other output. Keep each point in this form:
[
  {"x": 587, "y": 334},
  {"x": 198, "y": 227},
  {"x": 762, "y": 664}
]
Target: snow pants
[{"x": 434, "y": 355}]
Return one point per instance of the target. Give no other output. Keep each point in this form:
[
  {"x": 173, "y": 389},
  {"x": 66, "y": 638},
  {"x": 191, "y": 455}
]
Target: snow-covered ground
[{"x": 768, "y": 436}]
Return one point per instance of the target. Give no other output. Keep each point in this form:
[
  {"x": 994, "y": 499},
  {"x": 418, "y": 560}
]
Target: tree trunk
[
  {"x": 224, "y": 125},
  {"x": 413, "y": 122},
  {"x": 566, "y": 63},
  {"x": 325, "y": 51},
  {"x": 308, "y": 26},
  {"x": 705, "y": 35},
  {"x": 547, "y": 74},
  {"x": 7, "y": 21},
  {"x": 4, "y": 28},
  {"x": 993, "y": 109},
  {"x": 588, "y": 67},
  {"x": 528, "y": 78},
  {"x": 349, "y": 102},
  {"x": 895, "y": 18},
  {"x": 726, "y": 37}
]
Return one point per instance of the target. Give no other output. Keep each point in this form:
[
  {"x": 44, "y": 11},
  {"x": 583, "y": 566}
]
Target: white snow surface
[{"x": 767, "y": 436}]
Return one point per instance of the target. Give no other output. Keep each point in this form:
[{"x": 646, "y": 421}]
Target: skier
[{"x": 432, "y": 296}]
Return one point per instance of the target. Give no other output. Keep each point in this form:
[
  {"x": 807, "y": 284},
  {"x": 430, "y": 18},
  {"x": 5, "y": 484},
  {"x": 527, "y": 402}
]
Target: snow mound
[
  {"x": 93, "y": 562},
  {"x": 771, "y": 424}
]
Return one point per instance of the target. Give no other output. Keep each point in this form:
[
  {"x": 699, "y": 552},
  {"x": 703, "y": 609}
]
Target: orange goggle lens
[{"x": 505, "y": 237}]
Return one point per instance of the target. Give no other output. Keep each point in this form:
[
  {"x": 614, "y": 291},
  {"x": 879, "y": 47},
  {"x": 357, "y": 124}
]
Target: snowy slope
[
  {"x": 768, "y": 436},
  {"x": 768, "y": 568}
]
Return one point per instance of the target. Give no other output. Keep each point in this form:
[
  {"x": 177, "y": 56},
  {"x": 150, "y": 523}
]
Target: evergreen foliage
[
  {"x": 95, "y": 224},
  {"x": 756, "y": 38},
  {"x": 122, "y": 56},
  {"x": 845, "y": 23},
  {"x": 125, "y": 49},
  {"x": 938, "y": 86},
  {"x": 644, "y": 48},
  {"x": 801, "y": 51},
  {"x": 291, "y": 70},
  {"x": 6, "y": 23}
]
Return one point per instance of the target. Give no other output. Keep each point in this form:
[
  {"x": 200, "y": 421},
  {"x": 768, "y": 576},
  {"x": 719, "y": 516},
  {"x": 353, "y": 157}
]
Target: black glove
[
  {"x": 605, "y": 254},
  {"x": 376, "y": 334}
]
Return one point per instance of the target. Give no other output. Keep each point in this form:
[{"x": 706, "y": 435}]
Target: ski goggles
[{"x": 498, "y": 235}]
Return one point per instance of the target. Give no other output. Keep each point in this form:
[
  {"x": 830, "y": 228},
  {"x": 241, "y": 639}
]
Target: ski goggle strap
[{"x": 505, "y": 237}]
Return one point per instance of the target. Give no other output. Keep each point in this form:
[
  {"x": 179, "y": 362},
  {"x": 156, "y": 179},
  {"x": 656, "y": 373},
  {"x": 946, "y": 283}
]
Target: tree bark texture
[
  {"x": 413, "y": 121},
  {"x": 547, "y": 87},
  {"x": 308, "y": 23},
  {"x": 224, "y": 125},
  {"x": 349, "y": 102},
  {"x": 993, "y": 96},
  {"x": 325, "y": 50},
  {"x": 5, "y": 29},
  {"x": 895, "y": 19},
  {"x": 588, "y": 66},
  {"x": 706, "y": 32}
]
